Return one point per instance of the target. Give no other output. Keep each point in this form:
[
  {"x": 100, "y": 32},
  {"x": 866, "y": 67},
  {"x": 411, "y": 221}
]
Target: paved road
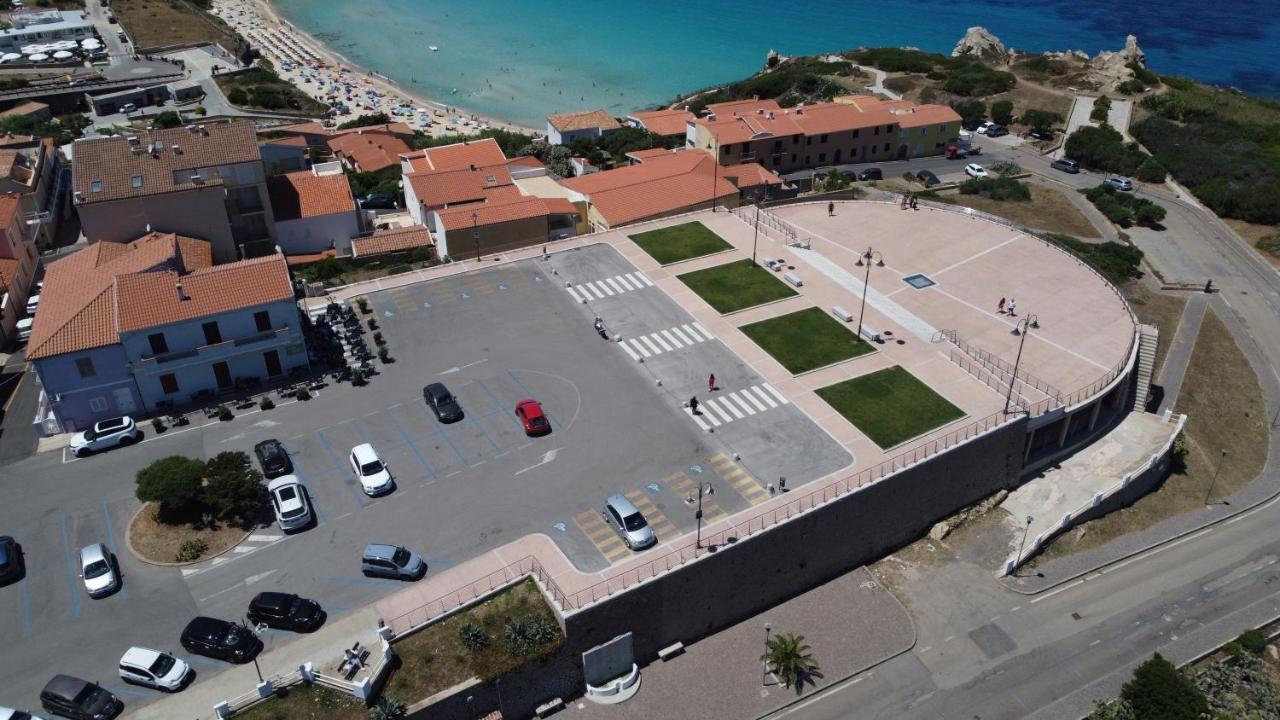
[{"x": 461, "y": 489}]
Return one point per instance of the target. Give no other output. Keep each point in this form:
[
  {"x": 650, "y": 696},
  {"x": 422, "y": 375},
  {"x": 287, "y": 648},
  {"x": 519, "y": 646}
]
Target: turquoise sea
[{"x": 519, "y": 60}]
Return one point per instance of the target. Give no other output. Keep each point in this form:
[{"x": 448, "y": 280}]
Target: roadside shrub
[
  {"x": 266, "y": 403},
  {"x": 357, "y": 377},
  {"x": 1151, "y": 171},
  {"x": 971, "y": 112},
  {"x": 1101, "y": 107},
  {"x": 1131, "y": 87},
  {"x": 1002, "y": 112},
  {"x": 224, "y": 413},
  {"x": 363, "y": 304},
  {"x": 472, "y": 636},
  {"x": 1143, "y": 75},
  {"x": 1003, "y": 189},
  {"x": 1122, "y": 208},
  {"x": 190, "y": 550},
  {"x": 388, "y": 708},
  {"x": 373, "y": 323},
  {"x": 1116, "y": 261},
  {"x": 237, "y": 96},
  {"x": 326, "y": 269},
  {"x": 909, "y": 176},
  {"x": 173, "y": 483},
  {"x": 384, "y": 354},
  {"x": 524, "y": 635},
  {"x": 1040, "y": 120},
  {"x": 1269, "y": 245},
  {"x": 233, "y": 487},
  {"x": 303, "y": 394},
  {"x": 377, "y": 338},
  {"x": 157, "y": 424},
  {"x": 1006, "y": 167},
  {"x": 1104, "y": 148},
  {"x": 1158, "y": 690},
  {"x": 1255, "y": 641},
  {"x": 1178, "y": 454}
]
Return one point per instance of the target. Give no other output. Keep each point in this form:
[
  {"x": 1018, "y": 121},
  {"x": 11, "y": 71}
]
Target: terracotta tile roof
[
  {"x": 308, "y": 258},
  {"x": 838, "y": 117},
  {"x": 746, "y": 175},
  {"x": 8, "y": 272},
  {"x": 9, "y": 203},
  {"x": 525, "y": 161},
  {"x": 458, "y": 156},
  {"x": 77, "y": 308},
  {"x": 584, "y": 120},
  {"x": 506, "y": 210},
  {"x": 370, "y": 150},
  {"x": 27, "y": 108},
  {"x": 663, "y": 122},
  {"x": 656, "y": 187},
  {"x": 150, "y": 299},
  {"x": 922, "y": 115},
  {"x": 294, "y": 140},
  {"x": 16, "y": 140},
  {"x": 389, "y": 241},
  {"x": 743, "y": 126},
  {"x": 304, "y": 194},
  {"x": 448, "y": 187},
  {"x": 642, "y": 155},
  {"x": 112, "y": 161},
  {"x": 742, "y": 106}
]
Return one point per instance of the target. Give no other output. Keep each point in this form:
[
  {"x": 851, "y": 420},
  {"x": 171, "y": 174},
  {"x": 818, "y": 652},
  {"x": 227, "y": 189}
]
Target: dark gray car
[
  {"x": 78, "y": 699},
  {"x": 442, "y": 402}
]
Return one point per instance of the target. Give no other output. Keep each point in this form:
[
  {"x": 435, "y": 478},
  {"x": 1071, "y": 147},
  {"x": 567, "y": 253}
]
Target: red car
[{"x": 531, "y": 415}]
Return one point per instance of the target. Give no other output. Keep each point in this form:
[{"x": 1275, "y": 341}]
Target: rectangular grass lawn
[
  {"x": 736, "y": 285},
  {"x": 806, "y": 340},
  {"x": 680, "y": 242},
  {"x": 890, "y": 406}
]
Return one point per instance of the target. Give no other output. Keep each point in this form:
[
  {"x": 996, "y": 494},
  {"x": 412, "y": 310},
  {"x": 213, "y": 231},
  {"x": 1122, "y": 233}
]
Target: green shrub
[
  {"x": 1131, "y": 87},
  {"x": 1101, "y": 108},
  {"x": 1158, "y": 690},
  {"x": 1002, "y": 112},
  {"x": 971, "y": 112},
  {"x": 173, "y": 483},
  {"x": 1143, "y": 75},
  {"x": 1040, "y": 120},
  {"x": 190, "y": 550},
  {"x": 388, "y": 708},
  {"x": 1151, "y": 171},
  {"x": 997, "y": 189},
  {"x": 1123, "y": 208},
  {"x": 523, "y": 635},
  {"x": 1115, "y": 261},
  {"x": 1177, "y": 83},
  {"x": 1006, "y": 167},
  {"x": 237, "y": 96},
  {"x": 1269, "y": 245},
  {"x": 898, "y": 59},
  {"x": 973, "y": 79},
  {"x": 1255, "y": 641},
  {"x": 266, "y": 403},
  {"x": 1104, "y": 148},
  {"x": 472, "y": 636},
  {"x": 325, "y": 269}
]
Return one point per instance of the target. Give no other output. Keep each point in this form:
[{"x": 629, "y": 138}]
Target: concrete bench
[
  {"x": 670, "y": 651},
  {"x": 548, "y": 707},
  {"x": 841, "y": 313},
  {"x": 793, "y": 279},
  {"x": 870, "y": 334}
]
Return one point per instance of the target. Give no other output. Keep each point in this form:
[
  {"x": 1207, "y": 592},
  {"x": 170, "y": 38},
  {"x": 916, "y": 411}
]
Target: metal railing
[{"x": 999, "y": 383}]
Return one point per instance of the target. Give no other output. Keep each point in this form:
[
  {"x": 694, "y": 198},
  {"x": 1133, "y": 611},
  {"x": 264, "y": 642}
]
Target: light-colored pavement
[
  {"x": 1178, "y": 357},
  {"x": 878, "y": 85}
]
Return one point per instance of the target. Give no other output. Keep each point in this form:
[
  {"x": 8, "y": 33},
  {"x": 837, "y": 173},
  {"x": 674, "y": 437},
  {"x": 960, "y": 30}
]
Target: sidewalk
[
  {"x": 322, "y": 648},
  {"x": 1174, "y": 367}
]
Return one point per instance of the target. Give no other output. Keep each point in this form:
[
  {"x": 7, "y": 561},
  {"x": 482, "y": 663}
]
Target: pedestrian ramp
[
  {"x": 664, "y": 341},
  {"x": 730, "y": 406},
  {"x": 732, "y": 474}
]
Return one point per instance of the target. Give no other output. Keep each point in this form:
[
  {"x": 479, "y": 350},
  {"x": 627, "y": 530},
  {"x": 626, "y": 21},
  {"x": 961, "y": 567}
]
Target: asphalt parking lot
[{"x": 495, "y": 337}]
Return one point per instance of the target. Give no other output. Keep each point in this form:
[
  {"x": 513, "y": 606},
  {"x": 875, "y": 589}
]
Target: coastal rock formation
[
  {"x": 1114, "y": 62},
  {"x": 980, "y": 43}
]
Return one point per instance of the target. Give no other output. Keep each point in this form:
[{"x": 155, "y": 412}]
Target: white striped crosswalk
[
  {"x": 665, "y": 341},
  {"x": 608, "y": 287},
  {"x": 726, "y": 406}
]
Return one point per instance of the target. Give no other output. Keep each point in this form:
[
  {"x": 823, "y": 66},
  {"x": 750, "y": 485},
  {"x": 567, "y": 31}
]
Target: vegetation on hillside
[
  {"x": 614, "y": 147},
  {"x": 63, "y": 129},
  {"x": 1118, "y": 262},
  {"x": 1103, "y": 148},
  {"x": 997, "y": 189},
  {"x": 965, "y": 76},
  {"x": 1124, "y": 208},
  {"x": 796, "y": 81},
  {"x": 260, "y": 87}
]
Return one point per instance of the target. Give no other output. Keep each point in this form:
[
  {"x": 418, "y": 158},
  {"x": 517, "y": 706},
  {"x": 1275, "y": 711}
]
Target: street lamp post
[
  {"x": 764, "y": 661},
  {"x": 715, "y": 173},
  {"x": 756, "y": 237},
  {"x": 1023, "y": 545},
  {"x": 1214, "y": 481},
  {"x": 702, "y": 490},
  {"x": 254, "y": 629},
  {"x": 475, "y": 233},
  {"x": 1021, "y": 328},
  {"x": 871, "y": 256}
]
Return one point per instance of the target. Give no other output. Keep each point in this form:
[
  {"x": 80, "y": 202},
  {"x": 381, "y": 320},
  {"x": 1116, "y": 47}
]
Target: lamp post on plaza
[
  {"x": 871, "y": 256},
  {"x": 703, "y": 489},
  {"x": 764, "y": 659},
  {"x": 1021, "y": 328},
  {"x": 756, "y": 195},
  {"x": 475, "y": 233},
  {"x": 1023, "y": 545}
]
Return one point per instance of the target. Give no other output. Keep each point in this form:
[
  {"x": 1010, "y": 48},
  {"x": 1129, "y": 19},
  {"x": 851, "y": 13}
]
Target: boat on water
[
  {"x": 453, "y": 91},
  {"x": 433, "y": 48}
]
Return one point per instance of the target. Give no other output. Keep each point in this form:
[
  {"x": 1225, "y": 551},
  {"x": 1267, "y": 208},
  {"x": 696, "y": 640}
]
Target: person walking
[
  {"x": 711, "y": 383},
  {"x": 1000, "y": 307},
  {"x": 1012, "y": 304},
  {"x": 693, "y": 405},
  {"x": 831, "y": 209}
]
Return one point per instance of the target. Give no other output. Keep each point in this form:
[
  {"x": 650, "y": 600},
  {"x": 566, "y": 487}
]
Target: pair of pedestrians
[{"x": 711, "y": 387}]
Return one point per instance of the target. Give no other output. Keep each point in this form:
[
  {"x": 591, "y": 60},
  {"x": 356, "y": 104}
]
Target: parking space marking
[
  {"x": 408, "y": 440},
  {"x": 476, "y": 424},
  {"x": 111, "y": 543},
  {"x": 662, "y": 527},
  {"x": 71, "y": 568},
  {"x": 121, "y": 690},
  {"x": 576, "y": 298},
  {"x": 375, "y": 582},
  {"x": 489, "y": 391},
  {"x": 27, "y": 628},
  {"x": 687, "y": 490},
  {"x": 356, "y": 493},
  {"x": 601, "y": 535},
  {"x": 740, "y": 480},
  {"x": 449, "y": 441}
]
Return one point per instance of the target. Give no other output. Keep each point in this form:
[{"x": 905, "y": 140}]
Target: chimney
[{"x": 182, "y": 294}]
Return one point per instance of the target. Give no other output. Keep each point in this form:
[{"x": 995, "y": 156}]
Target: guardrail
[{"x": 987, "y": 377}]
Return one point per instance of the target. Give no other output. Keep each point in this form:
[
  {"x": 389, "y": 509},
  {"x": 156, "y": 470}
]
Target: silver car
[
  {"x": 98, "y": 570},
  {"x": 289, "y": 498},
  {"x": 628, "y": 522},
  {"x": 154, "y": 669},
  {"x": 105, "y": 434}
]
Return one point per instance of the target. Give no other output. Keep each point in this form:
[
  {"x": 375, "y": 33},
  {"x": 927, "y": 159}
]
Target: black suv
[
  {"x": 78, "y": 699},
  {"x": 442, "y": 402},
  {"x": 273, "y": 458},
  {"x": 283, "y": 611},
  {"x": 220, "y": 639},
  {"x": 10, "y": 560},
  {"x": 927, "y": 178},
  {"x": 871, "y": 174}
]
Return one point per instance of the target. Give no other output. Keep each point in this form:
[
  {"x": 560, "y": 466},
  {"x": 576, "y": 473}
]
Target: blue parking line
[
  {"x": 472, "y": 419},
  {"x": 364, "y": 581},
  {"x": 111, "y": 543},
  {"x": 346, "y": 478},
  {"x": 27, "y": 628},
  {"x": 530, "y": 394},
  {"x": 71, "y": 568},
  {"x": 497, "y": 404},
  {"x": 124, "y": 690},
  {"x": 409, "y": 441},
  {"x": 311, "y": 496},
  {"x": 440, "y": 431}
]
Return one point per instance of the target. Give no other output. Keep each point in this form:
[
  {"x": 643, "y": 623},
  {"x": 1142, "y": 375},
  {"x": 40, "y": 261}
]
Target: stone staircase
[{"x": 1148, "y": 338}]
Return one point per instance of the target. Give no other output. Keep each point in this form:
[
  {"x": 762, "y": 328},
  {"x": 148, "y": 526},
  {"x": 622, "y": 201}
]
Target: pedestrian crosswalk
[
  {"x": 728, "y": 406},
  {"x": 616, "y": 285},
  {"x": 663, "y": 341}
]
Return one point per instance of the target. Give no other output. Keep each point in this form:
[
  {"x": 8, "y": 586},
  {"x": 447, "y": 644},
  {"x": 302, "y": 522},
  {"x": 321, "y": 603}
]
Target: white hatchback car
[
  {"x": 98, "y": 570},
  {"x": 11, "y": 714},
  {"x": 289, "y": 498},
  {"x": 105, "y": 434},
  {"x": 372, "y": 473},
  {"x": 975, "y": 170},
  {"x": 153, "y": 669}
]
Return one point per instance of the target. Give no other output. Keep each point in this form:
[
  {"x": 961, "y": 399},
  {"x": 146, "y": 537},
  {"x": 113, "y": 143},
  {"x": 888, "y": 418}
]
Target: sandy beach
[{"x": 328, "y": 77}]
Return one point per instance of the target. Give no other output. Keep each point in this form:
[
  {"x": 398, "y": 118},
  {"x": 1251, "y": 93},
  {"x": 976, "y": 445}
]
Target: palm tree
[{"x": 789, "y": 658}]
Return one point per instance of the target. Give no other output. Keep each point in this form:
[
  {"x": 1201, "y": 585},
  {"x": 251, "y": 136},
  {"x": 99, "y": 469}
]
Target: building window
[
  {"x": 888, "y": 129},
  {"x": 795, "y": 139},
  {"x": 806, "y": 159},
  {"x": 777, "y": 145},
  {"x": 727, "y": 149},
  {"x": 793, "y": 157},
  {"x": 169, "y": 383},
  {"x": 263, "y": 320},
  {"x": 212, "y": 336},
  {"x": 855, "y": 134},
  {"x": 886, "y": 147},
  {"x": 95, "y": 186},
  {"x": 98, "y": 404},
  {"x": 158, "y": 344},
  {"x": 823, "y": 138},
  {"x": 877, "y": 132},
  {"x": 808, "y": 141},
  {"x": 136, "y": 181},
  {"x": 943, "y": 128},
  {"x": 922, "y": 130},
  {"x": 822, "y": 157},
  {"x": 85, "y": 366}
]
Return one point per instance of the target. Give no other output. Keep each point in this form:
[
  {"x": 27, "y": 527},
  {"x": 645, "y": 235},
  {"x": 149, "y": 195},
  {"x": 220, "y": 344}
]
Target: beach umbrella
[
  {"x": 62, "y": 55},
  {"x": 38, "y": 57},
  {"x": 90, "y": 44},
  {"x": 65, "y": 45},
  {"x": 32, "y": 49},
  {"x": 10, "y": 57}
]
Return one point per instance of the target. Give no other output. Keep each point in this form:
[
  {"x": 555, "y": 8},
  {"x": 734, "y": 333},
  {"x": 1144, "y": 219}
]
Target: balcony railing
[{"x": 215, "y": 349}]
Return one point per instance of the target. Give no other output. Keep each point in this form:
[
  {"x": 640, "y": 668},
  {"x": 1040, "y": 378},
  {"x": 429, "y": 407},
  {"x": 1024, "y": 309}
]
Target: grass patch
[
  {"x": 1221, "y": 396},
  {"x": 306, "y": 702},
  {"x": 680, "y": 242},
  {"x": 890, "y": 406},
  {"x": 160, "y": 542},
  {"x": 1264, "y": 238},
  {"x": 1159, "y": 309},
  {"x": 152, "y": 23},
  {"x": 736, "y": 285},
  {"x": 436, "y": 657},
  {"x": 806, "y": 340},
  {"x": 1048, "y": 210}
]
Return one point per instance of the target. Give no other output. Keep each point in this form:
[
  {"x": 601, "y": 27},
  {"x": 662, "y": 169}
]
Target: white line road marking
[
  {"x": 344, "y": 515},
  {"x": 718, "y": 411},
  {"x": 676, "y": 331},
  {"x": 547, "y": 457},
  {"x": 781, "y": 398},
  {"x": 924, "y": 649},
  {"x": 658, "y": 339},
  {"x": 692, "y": 333},
  {"x": 1051, "y": 593},
  {"x": 949, "y": 638},
  {"x": 733, "y": 408},
  {"x": 708, "y": 417},
  {"x": 645, "y": 339},
  {"x": 622, "y": 280},
  {"x": 697, "y": 419},
  {"x": 703, "y": 330},
  {"x": 600, "y": 284},
  {"x": 1095, "y": 642},
  {"x": 745, "y": 406},
  {"x": 670, "y": 338},
  {"x": 264, "y": 538},
  {"x": 644, "y": 279},
  {"x": 614, "y": 284},
  {"x": 763, "y": 396},
  {"x": 576, "y": 297},
  {"x": 632, "y": 353},
  {"x": 639, "y": 347},
  {"x": 455, "y": 472},
  {"x": 754, "y": 401},
  {"x": 1015, "y": 608}
]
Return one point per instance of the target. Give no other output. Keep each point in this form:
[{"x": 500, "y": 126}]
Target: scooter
[{"x": 600, "y": 329}]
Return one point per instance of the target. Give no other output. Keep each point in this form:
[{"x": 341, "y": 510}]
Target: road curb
[{"x": 128, "y": 541}]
